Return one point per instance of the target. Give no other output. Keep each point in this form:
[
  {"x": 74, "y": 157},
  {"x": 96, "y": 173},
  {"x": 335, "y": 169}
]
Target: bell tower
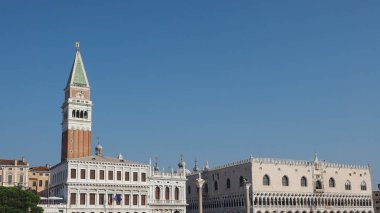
[{"x": 77, "y": 112}]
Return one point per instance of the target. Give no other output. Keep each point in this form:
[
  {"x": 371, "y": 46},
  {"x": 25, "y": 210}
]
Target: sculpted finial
[{"x": 77, "y": 45}]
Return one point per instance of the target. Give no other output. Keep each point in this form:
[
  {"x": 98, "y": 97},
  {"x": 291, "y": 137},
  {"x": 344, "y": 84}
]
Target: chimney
[{"x": 15, "y": 162}]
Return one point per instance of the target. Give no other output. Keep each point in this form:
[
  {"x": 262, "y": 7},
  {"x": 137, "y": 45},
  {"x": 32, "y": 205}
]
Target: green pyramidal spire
[{"x": 78, "y": 75}]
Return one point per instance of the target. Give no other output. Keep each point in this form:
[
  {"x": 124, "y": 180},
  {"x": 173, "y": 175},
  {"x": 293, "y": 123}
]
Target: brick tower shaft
[{"x": 77, "y": 112}]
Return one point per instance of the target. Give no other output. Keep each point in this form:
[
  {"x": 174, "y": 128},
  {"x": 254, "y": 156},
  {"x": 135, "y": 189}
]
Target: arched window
[
  {"x": 318, "y": 184},
  {"x": 188, "y": 189},
  {"x": 347, "y": 186},
  {"x": 85, "y": 114},
  {"x": 228, "y": 183},
  {"x": 285, "y": 181},
  {"x": 157, "y": 193},
  {"x": 73, "y": 114},
  {"x": 363, "y": 186},
  {"x": 206, "y": 188},
  {"x": 81, "y": 114},
  {"x": 331, "y": 182},
  {"x": 266, "y": 180},
  {"x": 176, "y": 193},
  {"x": 303, "y": 181},
  {"x": 167, "y": 191},
  {"x": 241, "y": 180},
  {"x": 216, "y": 186},
  {"x": 77, "y": 114}
]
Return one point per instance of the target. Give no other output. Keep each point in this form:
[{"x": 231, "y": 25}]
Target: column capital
[
  {"x": 247, "y": 185},
  {"x": 200, "y": 182}
]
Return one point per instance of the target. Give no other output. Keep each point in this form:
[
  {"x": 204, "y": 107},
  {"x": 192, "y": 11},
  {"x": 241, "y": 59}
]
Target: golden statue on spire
[{"x": 77, "y": 45}]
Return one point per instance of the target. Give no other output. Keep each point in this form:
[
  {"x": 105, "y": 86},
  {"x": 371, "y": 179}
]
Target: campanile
[{"x": 77, "y": 112}]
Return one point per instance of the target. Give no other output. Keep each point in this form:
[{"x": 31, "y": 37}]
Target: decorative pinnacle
[
  {"x": 156, "y": 163},
  {"x": 97, "y": 138},
  {"x": 77, "y": 45},
  {"x": 316, "y": 160},
  {"x": 195, "y": 169}
]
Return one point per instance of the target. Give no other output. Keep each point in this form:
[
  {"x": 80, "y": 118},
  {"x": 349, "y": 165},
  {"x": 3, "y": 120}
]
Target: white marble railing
[
  {"x": 167, "y": 174},
  {"x": 168, "y": 202}
]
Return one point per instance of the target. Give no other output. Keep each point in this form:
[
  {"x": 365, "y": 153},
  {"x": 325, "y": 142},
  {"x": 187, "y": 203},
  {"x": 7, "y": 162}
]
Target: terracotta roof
[
  {"x": 12, "y": 162},
  {"x": 39, "y": 168}
]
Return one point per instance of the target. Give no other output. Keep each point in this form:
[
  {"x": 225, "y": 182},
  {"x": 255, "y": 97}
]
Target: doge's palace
[{"x": 282, "y": 186}]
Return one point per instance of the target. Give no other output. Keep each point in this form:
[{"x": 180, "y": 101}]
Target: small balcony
[{"x": 319, "y": 190}]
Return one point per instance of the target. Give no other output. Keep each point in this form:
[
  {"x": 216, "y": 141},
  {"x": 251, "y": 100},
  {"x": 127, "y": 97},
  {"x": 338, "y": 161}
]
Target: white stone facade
[
  {"x": 14, "y": 173},
  {"x": 283, "y": 186},
  {"x": 92, "y": 184},
  {"x": 70, "y": 120}
]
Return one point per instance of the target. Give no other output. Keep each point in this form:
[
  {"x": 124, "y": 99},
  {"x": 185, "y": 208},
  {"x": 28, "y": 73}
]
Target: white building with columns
[
  {"x": 282, "y": 186},
  {"x": 99, "y": 184}
]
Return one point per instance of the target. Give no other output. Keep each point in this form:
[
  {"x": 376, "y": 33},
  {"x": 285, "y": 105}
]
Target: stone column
[
  {"x": 247, "y": 200},
  {"x": 199, "y": 183}
]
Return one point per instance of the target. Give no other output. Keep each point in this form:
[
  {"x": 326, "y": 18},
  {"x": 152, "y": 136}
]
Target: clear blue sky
[{"x": 214, "y": 80}]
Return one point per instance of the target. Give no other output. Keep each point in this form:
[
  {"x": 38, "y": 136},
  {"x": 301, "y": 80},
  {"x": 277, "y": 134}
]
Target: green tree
[{"x": 15, "y": 200}]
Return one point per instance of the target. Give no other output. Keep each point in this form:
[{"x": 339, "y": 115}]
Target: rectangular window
[
  {"x": 110, "y": 175},
  {"x": 73, "y": 198},
  {"x": 40, "y": 183},
  {"x": 82, "y": 198},
  {"x": 126, "y": 176},
  {"x": 110, "y": 199},
  {"x": 92, "y": 199},
  {"x": 143, "y": 177},
  {"x": 126, "y": 199},
  {"x": 101, "y": 199},
  {"x": 143, "y": 200},
  {"x": 92, "y": 174},
  {"x": 21, "y": 179},
  {"x": 1, "y": 178},
  {"x": 73, "y": 173},
  {"x": 46, "y": 183},
  {"x": 135, "y": 176},
  {"x": 34, "y": 183},
  {"x": 135, "y": 200},
  {"x": 101, "y": 174},
  {"x": 10, "y": 181},
  {"x": 118, "y": 175},
  {"x": 82, "y": 174}
]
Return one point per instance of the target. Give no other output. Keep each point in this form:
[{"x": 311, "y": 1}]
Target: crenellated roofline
[{"x": 279, "y": 161}]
